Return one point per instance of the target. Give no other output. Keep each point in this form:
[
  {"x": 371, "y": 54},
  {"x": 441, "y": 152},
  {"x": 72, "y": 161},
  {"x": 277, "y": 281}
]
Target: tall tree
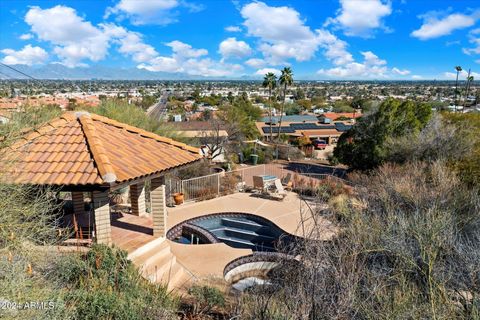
[
  {"x": 286, "y": 79},
  {"x": 270, "y": 82},
  {"x": 467, "y": 89},
  {"x": 459, "y": 69},
  {"x": 364, "y": 145}
]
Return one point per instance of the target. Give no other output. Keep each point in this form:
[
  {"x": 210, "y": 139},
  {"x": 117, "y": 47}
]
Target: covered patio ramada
[{"x": 92, "y": 156}]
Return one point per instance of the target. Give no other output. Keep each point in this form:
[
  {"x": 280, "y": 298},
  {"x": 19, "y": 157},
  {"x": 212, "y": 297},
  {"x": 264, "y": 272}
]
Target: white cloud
[
  {"x": 186, "y": 50},
  {"x": 74, "y": 38},
  {"x": 233, "y": 48},
  {"x": 335, "y": 49},
  {"x": 233, "y": 29},
  {"x": 283, "y": 23},
  {"x": 371, "y": 59},
  {"x": 360, "y": 18},
  {"x": 141, "y": 12},
  {"x": 164, "y": 64},
  {"x": 434, "y": 27},
  {"x": 462, "y": 75},
  {"x": 145, "y": 12},
  {"x": 264, "y": 71},
  {"x": 474, "y": 38},
  {"x": 346, "y": 66},
  {"x": 372, "y": 67},
  {"x": 26, "y": 36},
  {"x": 28, "y": 55},
  {"x": 186, "y": 59},
  {"x": 283, "y": 34},
  {"x": 416, "y": 77},
  {"x": 400, "y": 72},
  {"x": 255, "y": 63},
  {"x": 130, "y": 43}
]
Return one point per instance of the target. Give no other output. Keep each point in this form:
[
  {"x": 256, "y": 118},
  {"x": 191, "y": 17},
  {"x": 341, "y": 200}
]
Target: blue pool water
[{"x": 239, "y": 232}]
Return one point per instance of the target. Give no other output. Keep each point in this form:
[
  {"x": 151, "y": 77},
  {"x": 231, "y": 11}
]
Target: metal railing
[
  {"x": 201, "y": 187},
  {"x": 218, "y": 184}
]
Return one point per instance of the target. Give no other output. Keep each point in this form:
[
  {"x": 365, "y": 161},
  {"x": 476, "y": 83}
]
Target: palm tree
[
  {"x": 270, "y": 82},
  {"x": 286, "y": 79},
  {"x": 459, "y": 69},
  {"x": 467, "y": 90}
]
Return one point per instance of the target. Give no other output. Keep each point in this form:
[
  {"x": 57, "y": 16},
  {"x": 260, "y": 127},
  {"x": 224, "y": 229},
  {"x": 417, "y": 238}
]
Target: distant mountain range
[
  {"x": 56, "y": 71},
  {"x": 99, "y": 72}
]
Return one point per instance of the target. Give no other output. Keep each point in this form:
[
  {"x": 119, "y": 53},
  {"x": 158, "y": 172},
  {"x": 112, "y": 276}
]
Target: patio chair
[
  {"x": 258, "y": 183},
  {"x": 287, "y": 181},
  {"x": 280, "y": 192}
]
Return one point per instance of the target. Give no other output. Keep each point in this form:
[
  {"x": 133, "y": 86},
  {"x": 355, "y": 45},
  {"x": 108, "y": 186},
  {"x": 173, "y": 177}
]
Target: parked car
[{"x": 319, "y": 144}]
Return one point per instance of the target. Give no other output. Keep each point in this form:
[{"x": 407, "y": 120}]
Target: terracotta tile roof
[
  {"x": 88, "y": 149},
  {"x": 322, "y": 132},
  {"x": 335, "y": 115}
]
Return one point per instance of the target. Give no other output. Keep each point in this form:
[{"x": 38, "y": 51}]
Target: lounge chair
[
  {"x": 287, "y": 182},
  {"x": 280, "y": 192}
]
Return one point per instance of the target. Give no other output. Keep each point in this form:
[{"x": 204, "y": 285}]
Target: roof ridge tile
[{"x": 97, "y": 149}]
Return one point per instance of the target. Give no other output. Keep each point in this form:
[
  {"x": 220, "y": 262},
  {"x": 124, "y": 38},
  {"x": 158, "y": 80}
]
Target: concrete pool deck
[
  {"x": 208, "y": 260},
  {"x": 286, "y": 214}
]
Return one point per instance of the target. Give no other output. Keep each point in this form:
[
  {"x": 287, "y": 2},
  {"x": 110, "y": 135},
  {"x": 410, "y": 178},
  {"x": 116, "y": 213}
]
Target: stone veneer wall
[
  {"x": 137, "y": 199},
  {"x": 101, "y": 204},
  {"x": 159, "y": 207}
]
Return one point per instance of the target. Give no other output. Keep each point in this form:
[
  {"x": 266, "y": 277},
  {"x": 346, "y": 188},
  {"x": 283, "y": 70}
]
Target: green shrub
[
  {"x": 101, "y": 284},
  {"x": 110, "y": 265},
  {"x": 111, "y": 287},
  {"x": 69, "y": 269},
  {"x": 265, "y": 155},
  {"x": 122, "y": 111},
  {"x": 206, "y": 298}
]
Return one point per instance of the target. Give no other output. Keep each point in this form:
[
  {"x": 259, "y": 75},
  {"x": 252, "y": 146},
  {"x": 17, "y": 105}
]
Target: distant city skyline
[{"x": 324, "y": 40}]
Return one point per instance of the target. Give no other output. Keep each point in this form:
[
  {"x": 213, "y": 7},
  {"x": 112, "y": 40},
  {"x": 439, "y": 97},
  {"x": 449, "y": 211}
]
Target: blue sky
[{"x": 328, "y": 39}]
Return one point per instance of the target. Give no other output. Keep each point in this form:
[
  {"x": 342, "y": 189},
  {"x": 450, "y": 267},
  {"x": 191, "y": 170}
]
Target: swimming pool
[{"x": 237, "y": 230}]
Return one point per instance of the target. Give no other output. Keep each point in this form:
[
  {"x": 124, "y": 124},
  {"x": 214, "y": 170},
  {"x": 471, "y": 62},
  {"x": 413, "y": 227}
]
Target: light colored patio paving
[
  {"x": 287, "y": 214},
  {"x": 208, "y": 260}
]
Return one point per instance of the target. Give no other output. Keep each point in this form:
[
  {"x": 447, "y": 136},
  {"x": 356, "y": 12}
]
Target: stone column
[
  {"x": 78, "y": 204},
  {"x": 159, "y": 207},
  {"x": 101, "y": 205},
  {"x": 137, "y": 199}
]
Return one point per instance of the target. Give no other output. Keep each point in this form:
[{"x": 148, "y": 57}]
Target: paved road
[{"x": 159, "y": 110}]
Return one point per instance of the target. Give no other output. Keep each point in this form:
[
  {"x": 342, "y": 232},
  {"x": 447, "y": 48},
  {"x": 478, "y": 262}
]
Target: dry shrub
[
  {"x": 229, "y": 182},
  {"x": 408, "y": 248},
  {"x": 206, "y": 193},
  {"x": 323, "y": 189}
]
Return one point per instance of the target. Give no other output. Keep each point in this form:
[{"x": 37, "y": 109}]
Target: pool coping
[{"x": 177, "y": 229}]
